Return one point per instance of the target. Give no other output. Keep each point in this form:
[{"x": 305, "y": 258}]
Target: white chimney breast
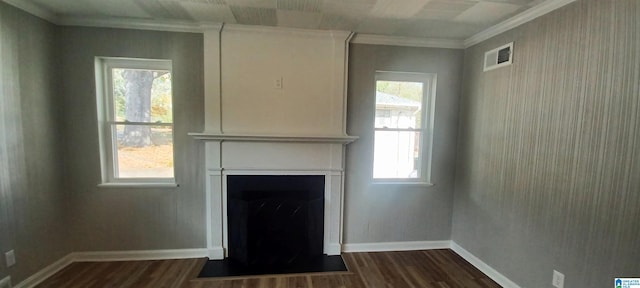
[{"x": 252, "y": 128}]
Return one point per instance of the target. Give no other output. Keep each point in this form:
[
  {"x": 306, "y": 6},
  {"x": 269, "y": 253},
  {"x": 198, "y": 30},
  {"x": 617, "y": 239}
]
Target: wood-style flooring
[{"x": 429, "y": 268}]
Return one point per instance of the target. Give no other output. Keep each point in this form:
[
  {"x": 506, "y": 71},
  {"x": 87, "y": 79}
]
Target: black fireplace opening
[{"x": 275, "y": 221}]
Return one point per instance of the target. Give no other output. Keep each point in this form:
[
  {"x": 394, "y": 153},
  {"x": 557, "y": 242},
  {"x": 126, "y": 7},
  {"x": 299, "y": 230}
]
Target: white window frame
[
  {"x": 106, "y": 120},
  {"x": 426, "y": 130}
]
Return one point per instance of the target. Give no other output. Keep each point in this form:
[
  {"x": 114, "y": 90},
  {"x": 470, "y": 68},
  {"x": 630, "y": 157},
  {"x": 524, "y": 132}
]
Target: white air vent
[{"x": 499, "y": 57}]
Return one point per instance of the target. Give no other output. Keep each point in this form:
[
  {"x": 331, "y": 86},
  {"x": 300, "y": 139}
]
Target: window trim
[
  {"x": 426, "y": 130},
  {"x": 106, "y": 120}
]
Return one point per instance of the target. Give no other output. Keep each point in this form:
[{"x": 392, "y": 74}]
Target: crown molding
[
  {"x": 517, "y": 20},
  {"x": 285, "y": 31},
  {"x": 141, "y": 24},
  {"x": 407, "y": 41},
  {"x": 34, "y": 9}
]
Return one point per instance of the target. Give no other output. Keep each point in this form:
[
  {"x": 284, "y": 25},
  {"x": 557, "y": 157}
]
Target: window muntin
[
  {"x": 136, "y": 113},
  {"x": 402, "y": 129}
]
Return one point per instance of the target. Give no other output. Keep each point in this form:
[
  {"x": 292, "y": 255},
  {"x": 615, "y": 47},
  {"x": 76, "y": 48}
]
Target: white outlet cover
[
  {"x": 558, "y": 279},
  {"x": 277, "y": 83},
  {"x": 6, "y": 282},
  {"x": 10, "y": 258}
]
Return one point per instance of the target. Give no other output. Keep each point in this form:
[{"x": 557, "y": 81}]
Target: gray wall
[
  {"x": 548, "y": 174},
  {"x": 387, "y": 213},
  {"x": 143, "y": 218},
  {"x": 32, "y": 202}
]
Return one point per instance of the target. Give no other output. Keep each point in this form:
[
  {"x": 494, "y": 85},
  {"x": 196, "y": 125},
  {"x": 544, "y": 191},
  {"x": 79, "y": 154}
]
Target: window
[
  {"x": 403, "y": 127},
  {"x": 135, "y": 120}
]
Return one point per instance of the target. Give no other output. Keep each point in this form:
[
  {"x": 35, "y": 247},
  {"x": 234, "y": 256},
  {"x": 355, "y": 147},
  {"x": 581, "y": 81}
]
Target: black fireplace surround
[{"x": 275, "y": 220}]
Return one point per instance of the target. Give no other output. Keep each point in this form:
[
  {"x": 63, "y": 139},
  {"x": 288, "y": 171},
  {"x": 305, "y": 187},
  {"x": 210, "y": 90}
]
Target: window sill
[
  {"x": 138, "y": 185},
  {"x": 403, "y": 183}
]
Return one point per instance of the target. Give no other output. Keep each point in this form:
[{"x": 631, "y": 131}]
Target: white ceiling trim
[
  {"x": 164, "y": 25},
  {"x": 285, "y": 30},
  {"x": 33, "y": 10},
  {"x": 517, "y": 20},
  {"x": 407, "y": 41}
]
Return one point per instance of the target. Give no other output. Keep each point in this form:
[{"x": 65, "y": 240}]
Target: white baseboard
[
  {"x": 138, "y": 255},
  {"x": 484, "y": 267},
  {"x": 102, "y": 256},
  {"x": 46, "y": 272},
  {"x": 396, "y": 246}
]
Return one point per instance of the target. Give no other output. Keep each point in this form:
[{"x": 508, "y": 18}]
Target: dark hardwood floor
[{"x": 429, "y": 268}]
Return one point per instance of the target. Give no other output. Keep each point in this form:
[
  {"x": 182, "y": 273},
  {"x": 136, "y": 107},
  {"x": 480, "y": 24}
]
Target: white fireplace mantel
[{"x": 346, "y": 139}]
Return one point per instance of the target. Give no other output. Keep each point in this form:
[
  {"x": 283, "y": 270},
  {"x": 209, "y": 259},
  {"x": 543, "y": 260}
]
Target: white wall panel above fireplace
[{"x": 310, "y": 67}]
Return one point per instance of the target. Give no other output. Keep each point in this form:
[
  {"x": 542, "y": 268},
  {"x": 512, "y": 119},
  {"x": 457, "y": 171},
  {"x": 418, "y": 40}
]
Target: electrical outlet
[
  {"x": 10, "y": 258},
  {"x": 558, "y": 279},
  {"x": 6, "y": 282},
  {"x": 277, "y": 83}
]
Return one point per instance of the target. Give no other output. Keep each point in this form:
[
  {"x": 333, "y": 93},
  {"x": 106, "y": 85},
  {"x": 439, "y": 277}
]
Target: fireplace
[
  {"x": 275, "y": 220},
  {"x": 231, "y": 156}
]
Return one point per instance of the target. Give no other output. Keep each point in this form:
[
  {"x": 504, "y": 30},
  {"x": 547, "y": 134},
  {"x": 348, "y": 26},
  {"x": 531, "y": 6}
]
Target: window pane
[
  {"x": 144, "y": 151},
  {"x": 142, "y": 95},
  {"x": 398, "y": 104},
  {"x": 396, "y": 154}
]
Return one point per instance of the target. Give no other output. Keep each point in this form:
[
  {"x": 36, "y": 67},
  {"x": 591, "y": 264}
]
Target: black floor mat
[{"x": 229, "y": 268}]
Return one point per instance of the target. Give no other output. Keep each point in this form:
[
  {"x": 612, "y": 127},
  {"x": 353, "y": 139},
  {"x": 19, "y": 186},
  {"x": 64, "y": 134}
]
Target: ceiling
[{"x": 449, "y": 19}]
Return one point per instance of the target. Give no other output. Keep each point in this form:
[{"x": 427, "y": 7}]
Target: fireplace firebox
[{"x": 275, "y": 220}]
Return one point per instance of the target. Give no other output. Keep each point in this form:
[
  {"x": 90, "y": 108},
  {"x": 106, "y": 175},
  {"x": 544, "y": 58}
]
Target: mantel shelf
[{"x": 205, "y": 136}]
